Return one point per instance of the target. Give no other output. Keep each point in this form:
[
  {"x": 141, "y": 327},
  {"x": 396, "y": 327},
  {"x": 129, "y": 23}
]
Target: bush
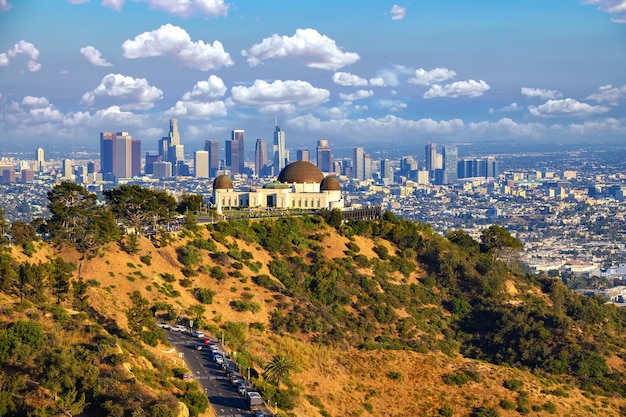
[
  {"x": 507, "y": 404},
  {"x": 146, "y": 259},
  {"x": 513, "y": 384},
  {"x": 150, "y": 338},
  {"x": 204, "y": 295},
  {"x": 485, "y": 412}
]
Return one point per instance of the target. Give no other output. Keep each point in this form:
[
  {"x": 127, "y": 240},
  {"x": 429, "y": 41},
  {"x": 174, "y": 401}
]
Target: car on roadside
[
  {"x": 198, "y": 346},
  {"x": 259, "y": 413},
  {"x": 198, "y": 334},
  {"x": 164, "y": 326},
  {"x": 179, "y": 328}
]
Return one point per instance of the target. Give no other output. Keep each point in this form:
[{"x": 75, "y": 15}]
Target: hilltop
[{"x": 378, "y": 318}]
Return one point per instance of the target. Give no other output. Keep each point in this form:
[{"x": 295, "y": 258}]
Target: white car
[
  {"x": 164, "y": 326},
  {"x": 198, "y": 334},
  {"x": 179, "y": 328}
]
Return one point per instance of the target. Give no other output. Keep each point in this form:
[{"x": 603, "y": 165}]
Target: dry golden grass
[{"x": 346, "y": 381}]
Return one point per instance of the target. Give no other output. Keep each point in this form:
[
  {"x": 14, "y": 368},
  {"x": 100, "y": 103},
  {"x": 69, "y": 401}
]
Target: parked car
[
  {"x": 198, "y": 346},
  {"x": 179, "y": 328},
  {"x": 197, "y": 334},
  {"x": 259, "y": 413},
  {"x": 164, "y": 326}
]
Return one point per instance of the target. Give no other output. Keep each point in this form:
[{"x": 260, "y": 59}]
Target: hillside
[{"x": 377, "y": 318}]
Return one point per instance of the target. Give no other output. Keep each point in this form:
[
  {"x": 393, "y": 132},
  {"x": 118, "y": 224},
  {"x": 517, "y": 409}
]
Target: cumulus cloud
[
  {"x": 506, "y": 109},
  {"x": 469, "y": 88},
  {"x": 202, "y": 101},
  {"x": 318, "y": 51},
  {"x": 5, "y": 6},
  {"x": 35, "y": 102},
  {"x": 393, "y": 105},
  {"x": 378, "y": 82},
  {"x": 541, "y": 93},
  {"x": 22, "y": 47},
  {"x": 92, "y": 55},
  {"x": 616, "y": 8},
  {"x": 170, "y": 40},
  {"x": 359, "y": 95},
  {"x": 397, "y": 12},
  {"x": 136, "y": 92},
  {"x": 567, "y": 107},
  {"x": 345, "y": 78},
  {"x": 182, "y": 8},
  {"x": 609, "y": 94},
  {"x": 284, "y": 96},
  {"x": 437, "y": 75}
]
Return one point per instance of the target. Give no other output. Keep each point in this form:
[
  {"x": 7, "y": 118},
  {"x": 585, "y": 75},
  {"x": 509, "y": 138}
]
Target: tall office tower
[
  {"x": 358, "y": 163},
  {"x": 260, "y": 157},
  {"x": 41, "y": 162},
  {"x": 367, "y": 166},
  {"x": 162, "y": 169},
  {"x": 150, "y": 160},
  {"x": 280, "y": 152},
  {"x": 450, "y": 165},
  {"x": 201, "y": 164},
  {"x": 386, "y": 171},
  {"x": 324, "y": 156},
  {"x": 107, "y": 156},
  {"x": 67, "y": 169},
  {"x": 492, "y": 167},
  {"x": 170, "y": 148},
  {"x": 431, "y": 157},
  {"x": 235, "y": 152},
  {"x": 174, "y": 135},
  {"x": 303, "y": 155},
  {"x": 123, "y": 162},
  {"x": 136, "y": 158},
  {"x": 213, "y": 147}
]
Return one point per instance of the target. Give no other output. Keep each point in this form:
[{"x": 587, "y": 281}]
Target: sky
[{"x": 374, "y": 73}]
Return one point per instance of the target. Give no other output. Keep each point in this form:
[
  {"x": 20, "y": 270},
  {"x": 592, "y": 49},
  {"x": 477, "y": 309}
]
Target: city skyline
[{"x": 444, "y": 71}]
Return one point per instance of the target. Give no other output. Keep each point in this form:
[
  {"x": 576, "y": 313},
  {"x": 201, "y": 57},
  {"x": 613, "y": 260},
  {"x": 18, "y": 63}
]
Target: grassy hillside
[{"x": 377, "y": 318}]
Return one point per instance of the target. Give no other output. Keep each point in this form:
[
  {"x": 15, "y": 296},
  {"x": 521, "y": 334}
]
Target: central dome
[{"x": 301, "y": 172}]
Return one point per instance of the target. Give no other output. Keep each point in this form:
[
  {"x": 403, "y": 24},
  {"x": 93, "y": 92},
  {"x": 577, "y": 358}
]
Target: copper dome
[
  {"x": 301, "y": 172},
  {"x": 330, "y": 183},
  {"x": 222, "y": 182}
]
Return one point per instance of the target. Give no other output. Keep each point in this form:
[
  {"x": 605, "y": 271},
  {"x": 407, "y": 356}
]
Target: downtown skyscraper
[
  {"x": 235, "y": 152},
  {"x": 116, "y": 154},
  {"x": 324, "y": 156},
  {"x": 213, "y": 147},
  {"x": 170, "y": 148},
  {"x": 260, "y": 157},
  {"x": 281, "y": 158}
]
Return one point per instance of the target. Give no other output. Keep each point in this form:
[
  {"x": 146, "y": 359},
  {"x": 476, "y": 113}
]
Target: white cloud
[
  {"x": 136, "y": 92},
  {"x": 170, "y": 40},
  {"x": 378, "y": 82},
  {"x": 22, "y": 47},
  {"x": 35, "y": 102},
  {"x": 469, "y": 88},
  {"x": 506, "y": 109},
  {"x": 284, "y": 96},
  {"x": 609, "y": 94},
  {"x": 5, "y": 6},
  {"x": 182, "y": 8},
  {"x": 202, "y": 101},
  {"x": 617, "y": 8},
  {"x": 398, "y": 12},
  {"x": 541, "y": 93},
  {"x": 346, "y": 78},
  {"x": 566, "y": 107},
  {"x": 392, "y": 105},
  {"x": 92, "y": 55},
  {"x": 319, "y": 51},
  {"x": 437, "y": 75},
  {"x": 359, "y": 95},
  {"x": 391, "y": 75}
]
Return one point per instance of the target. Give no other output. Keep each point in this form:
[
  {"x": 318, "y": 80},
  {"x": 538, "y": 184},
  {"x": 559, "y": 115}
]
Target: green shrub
[
  {"x": 146, "y": 259},
  {"x": 507, "y": 404},
  {"x": 204, "y": 295}
]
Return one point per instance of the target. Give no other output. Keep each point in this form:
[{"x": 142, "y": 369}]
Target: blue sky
[{"x": 372, "y": 72}]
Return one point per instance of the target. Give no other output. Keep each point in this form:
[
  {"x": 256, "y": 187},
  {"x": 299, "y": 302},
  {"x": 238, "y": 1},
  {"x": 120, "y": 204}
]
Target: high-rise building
[
  {"x": 358, "y": 163},
  {"x": 201, "y": 164},
  {"x": 170, "y": 148},
  {"x": 477, "y": 167},
  {"x": 235, "y": 152},
  {"x": 260, "y": 157},
  {"x": 386, "y": 171},
  {"x": 136, "y": 158},
  {"x": 303, "y": 155},
  {"x": 448, "y": 173},
  {"x": 116, "y": 155},
  {"x": 162, "y": 169},
  {"x": 41, "y": 161},
  {"x": 367, "y": 166},
  {"x": 280, "y": 152},
  {"x": 67, "y": 169},
  {"x": 324, "y": 156},
  {"x": 212, "y": 147},
  {"x": 431, "y": 157}
]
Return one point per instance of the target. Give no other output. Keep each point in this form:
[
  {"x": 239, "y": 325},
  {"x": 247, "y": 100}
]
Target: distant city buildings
[
  {"x": 235, "y": 152},
  {"x": 260, "y": 158},
  {"x": 324, "y": 156},
  {"x": 213, "y": 147},
  {"x": 116, "y": 155},
  {"x": 281, "y": 157}
]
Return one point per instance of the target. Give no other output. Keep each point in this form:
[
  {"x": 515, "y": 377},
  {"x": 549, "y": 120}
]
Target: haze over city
[{"x": 531, "y": 72}]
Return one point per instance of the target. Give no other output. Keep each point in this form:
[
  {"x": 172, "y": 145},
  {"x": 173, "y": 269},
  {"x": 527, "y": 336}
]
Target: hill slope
[{"x": 378, "y": 318}]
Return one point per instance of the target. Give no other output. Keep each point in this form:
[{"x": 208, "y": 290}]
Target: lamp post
[{"x": 222, "y": 337}]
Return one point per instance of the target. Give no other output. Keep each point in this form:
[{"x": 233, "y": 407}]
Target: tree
[
  {"x": 60, "y": 278},
  {"x": 79, "y": 294},
  {"x": 2, "y": 228},
  {"x": 136, "y": 206},
  {"x": 190, "y": 203},
  {"x": 497, "y": 241},
  {"x": 22, "y": 233},
  {"x": 278, "y": 369},
  {"x": 139, "y": 314}
]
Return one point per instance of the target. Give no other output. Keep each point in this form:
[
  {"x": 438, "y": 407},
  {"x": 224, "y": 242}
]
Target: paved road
[{"x": 226, "y": 401}]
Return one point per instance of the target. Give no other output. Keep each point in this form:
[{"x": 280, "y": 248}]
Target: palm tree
[{"x": 278, "y": 369}]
